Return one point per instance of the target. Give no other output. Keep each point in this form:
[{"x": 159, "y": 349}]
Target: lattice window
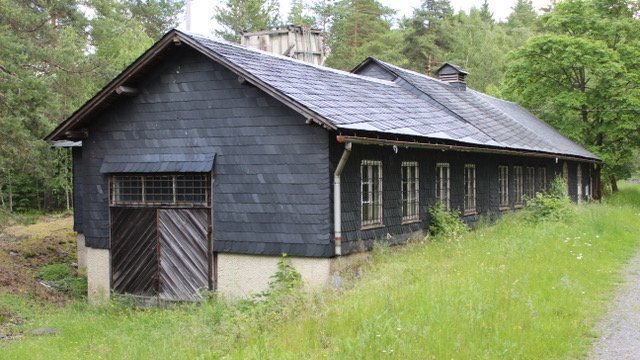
[
  {"x": 410, "y": 191},
  {"x": 503, "y": 186},
  {"x": 530, "y": 182},
  {"x": 159, "y": 190},
  {"x": 469, "y": 188},
  {"x": 517, "y": 185},
  {"x": 371, "y": 179},
  {"x": 443, "y": 183},
  {"x": 542, "y": 179}
]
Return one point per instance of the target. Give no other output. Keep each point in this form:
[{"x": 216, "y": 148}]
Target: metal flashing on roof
[
  {"x": 66, "y": 143},
  {"x": 158, "y": 163}
]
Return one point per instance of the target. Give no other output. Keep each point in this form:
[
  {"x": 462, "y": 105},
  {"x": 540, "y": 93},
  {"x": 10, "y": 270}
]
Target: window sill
[
  {"x": 504, "y": 208},
  {"x": 518, "y": 206},
  {"x": 410, "y": 221},
  {"x": 372, "y": 226},
  {"x": 470, "y": 213}
]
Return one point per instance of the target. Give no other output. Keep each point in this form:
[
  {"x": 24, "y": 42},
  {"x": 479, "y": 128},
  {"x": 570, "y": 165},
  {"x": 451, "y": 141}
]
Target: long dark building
[{"x": 204, "y": 161}]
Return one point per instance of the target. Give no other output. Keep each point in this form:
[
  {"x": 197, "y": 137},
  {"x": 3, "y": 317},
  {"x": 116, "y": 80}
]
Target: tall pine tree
[
  {"x": 360, "y": 28},
  {"x": 424, "y": 40},
  {"x": 239, "y": 16}
]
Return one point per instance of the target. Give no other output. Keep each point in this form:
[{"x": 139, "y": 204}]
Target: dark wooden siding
[
  {"x": 271, "y": 192},
  {"x": 487, "y": 204}
]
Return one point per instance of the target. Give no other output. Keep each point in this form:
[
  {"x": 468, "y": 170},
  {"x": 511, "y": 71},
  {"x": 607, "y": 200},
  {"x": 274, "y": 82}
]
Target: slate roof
[
  {"x": 413, "y": 105},
  {"x": 440, "y": 111}
]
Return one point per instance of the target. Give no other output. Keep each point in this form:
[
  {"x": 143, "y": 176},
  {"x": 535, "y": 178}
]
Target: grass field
[{"x": 509, "y": 290}]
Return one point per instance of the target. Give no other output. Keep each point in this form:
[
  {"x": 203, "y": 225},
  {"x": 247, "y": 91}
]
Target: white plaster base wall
[
  {"x": 81, "y": 251},
  {"x": 98, "y": 275},
  {"x": 243, "y": 275}
]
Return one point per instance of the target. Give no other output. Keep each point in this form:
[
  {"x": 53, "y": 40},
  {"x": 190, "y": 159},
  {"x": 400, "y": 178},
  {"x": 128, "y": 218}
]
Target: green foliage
[
  {"x": 54, "y": 272},
  {"x": 53, "y": 58},
  {"x": 553, "y": 205},
  {"x": 424, "y": 38},
  {"x": 583, "y": 77},
  {"x": 446, "y": 225},
  {"x": 359, "y": 28},
  {"x": 283, "y": 282},
  {"x": 239, "y": 16},
  {"x": 61, "y": 278},
  {"x": 298, "y": 14},
  {"x": 434, "y": 35}
]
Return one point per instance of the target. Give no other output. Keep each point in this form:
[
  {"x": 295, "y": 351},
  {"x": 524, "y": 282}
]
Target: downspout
[{"x": 337, "y": 202}]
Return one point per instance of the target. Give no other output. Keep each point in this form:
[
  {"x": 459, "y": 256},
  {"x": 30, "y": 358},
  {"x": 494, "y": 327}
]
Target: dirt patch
[{"x": 25, "y": 249}]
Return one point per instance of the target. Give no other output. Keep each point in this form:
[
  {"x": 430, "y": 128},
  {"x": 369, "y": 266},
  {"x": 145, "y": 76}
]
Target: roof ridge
[{"x": 199, "y": 37}]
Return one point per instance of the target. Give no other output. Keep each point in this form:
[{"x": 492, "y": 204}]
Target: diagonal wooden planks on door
[
  {"x": 134, "y": 257},
  {"x": 182, "y": 235}
]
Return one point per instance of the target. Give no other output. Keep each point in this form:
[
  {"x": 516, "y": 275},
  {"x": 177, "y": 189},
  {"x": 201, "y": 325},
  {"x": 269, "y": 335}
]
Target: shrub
[
  {"x": 61, "y": 278},
  {"x": 284, "y": 281},
  {"x": 54, "y": 272},
  {"x": 446, "y": 224},
  {"x": 552, "y": 205}
]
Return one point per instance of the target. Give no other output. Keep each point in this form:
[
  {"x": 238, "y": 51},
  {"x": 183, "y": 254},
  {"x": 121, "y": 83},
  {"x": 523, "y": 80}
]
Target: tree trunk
[
  {"x": 66, "y": 193},
  {"x": 614, "y": 183}
]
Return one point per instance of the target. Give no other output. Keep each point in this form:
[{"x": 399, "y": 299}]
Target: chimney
[
  {"x": 453, "y": 75},
  {"x": 299, "y": 42}
]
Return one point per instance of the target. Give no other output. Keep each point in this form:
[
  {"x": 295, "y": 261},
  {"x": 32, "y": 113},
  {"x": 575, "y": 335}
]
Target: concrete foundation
[
  {"x": 81, "y": 251},
  {"x": 244, "y": 275},
  {"x": 98, "y": 275}
]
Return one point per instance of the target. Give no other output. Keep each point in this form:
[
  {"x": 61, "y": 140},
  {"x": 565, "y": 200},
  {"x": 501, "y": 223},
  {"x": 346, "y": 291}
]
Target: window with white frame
[
  {"x": 579, "y": 181},
  {"x": 503, "y": 186},
  {"x": 410, "y": 191},
  {"x": 517, "y": 185},
  {"x": 159, "y": 190},
  {"x": 371, "y": 179},
  {"x": 442, "y": 185},
  {"x": 469, "y": 188},
  {"x": 565, "y": 177},
  {"x": 530, "y": 182},
  {"x": 541, "y": 179}
]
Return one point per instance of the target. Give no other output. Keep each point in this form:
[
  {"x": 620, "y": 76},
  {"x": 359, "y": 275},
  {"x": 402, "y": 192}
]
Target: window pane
[{"x": 191, "y": 189}]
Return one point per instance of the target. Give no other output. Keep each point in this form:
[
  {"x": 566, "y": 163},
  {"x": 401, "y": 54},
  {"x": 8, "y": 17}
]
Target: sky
[{"x": 202, "y": 10}]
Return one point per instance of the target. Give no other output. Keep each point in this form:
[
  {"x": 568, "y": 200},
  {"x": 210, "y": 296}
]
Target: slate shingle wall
[
  {"x": 487, "y": 201},
  {"x": 78, "y": 189},
  {"x": 271, "y": 192}
]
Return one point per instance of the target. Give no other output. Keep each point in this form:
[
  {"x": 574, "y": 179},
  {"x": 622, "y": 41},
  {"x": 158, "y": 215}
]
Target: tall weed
[
  {"x": 446, "y": 225},
  {"x": 552, "y": 205}
]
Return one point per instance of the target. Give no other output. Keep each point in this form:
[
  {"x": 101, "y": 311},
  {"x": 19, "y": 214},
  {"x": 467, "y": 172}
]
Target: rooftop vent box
[{"x": 453, "y": 75}]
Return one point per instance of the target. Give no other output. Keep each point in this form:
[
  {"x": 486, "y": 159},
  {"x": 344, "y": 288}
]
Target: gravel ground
[{"x": 620, "y": 329}]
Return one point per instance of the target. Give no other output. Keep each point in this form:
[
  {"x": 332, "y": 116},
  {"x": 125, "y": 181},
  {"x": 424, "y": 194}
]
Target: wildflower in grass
[{"x": 579, "y": 257}]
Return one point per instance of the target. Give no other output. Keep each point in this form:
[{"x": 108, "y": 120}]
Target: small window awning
[{"x": 158, "y": 163}]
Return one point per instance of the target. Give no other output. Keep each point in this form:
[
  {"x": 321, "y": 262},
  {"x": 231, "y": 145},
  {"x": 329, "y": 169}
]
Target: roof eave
[
  {"x": 462, "y": 148},
  {"x": 109, "y": 89}
]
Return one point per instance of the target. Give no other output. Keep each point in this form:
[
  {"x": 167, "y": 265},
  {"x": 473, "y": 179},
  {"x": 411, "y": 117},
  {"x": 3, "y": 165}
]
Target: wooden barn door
[
  {"x": 160, "y": 252},
  {"x": 134, "y": 260},
  {"x": 184, "y": 264}
]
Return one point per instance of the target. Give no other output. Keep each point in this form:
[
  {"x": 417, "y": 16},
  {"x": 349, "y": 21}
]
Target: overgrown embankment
[{"x": 516, "y": 289}]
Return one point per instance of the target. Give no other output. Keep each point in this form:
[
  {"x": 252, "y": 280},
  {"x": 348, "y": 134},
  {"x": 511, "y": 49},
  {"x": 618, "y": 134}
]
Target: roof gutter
[
  {"x": 460, "y": 148},
  {"x": 337, "y": 201}
]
